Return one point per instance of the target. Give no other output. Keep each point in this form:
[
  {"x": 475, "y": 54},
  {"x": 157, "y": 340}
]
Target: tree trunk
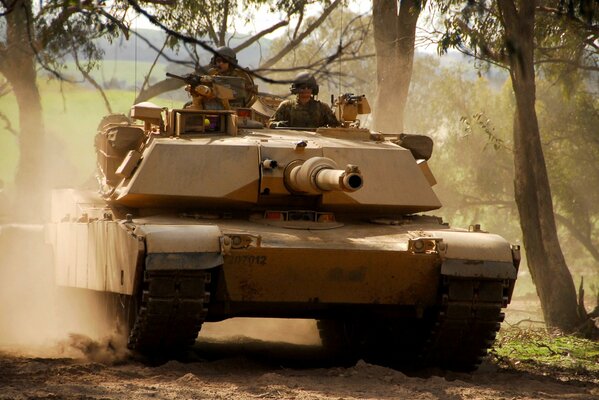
[
  {"x": 546, "y": 262},
  {"x": 18, "y": 65},
  {"x": 394, "y": 38}
]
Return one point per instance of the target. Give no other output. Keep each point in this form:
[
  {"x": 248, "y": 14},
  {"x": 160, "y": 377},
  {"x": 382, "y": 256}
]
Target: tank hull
[{"x": 177, "y": 271}]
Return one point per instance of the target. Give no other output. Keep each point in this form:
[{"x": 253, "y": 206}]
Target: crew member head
[
  {"x": 304, "y": 86},
  {"x": 224, "y": 57}
]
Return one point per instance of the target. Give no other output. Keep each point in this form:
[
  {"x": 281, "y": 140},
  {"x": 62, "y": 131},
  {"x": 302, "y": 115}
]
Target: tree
[
  {"x": 394, "y": 39},
  {"x": 503, "y": 32},
  {"x": 353, "y": 71},
  {"x": 36, "y": 39},
  {"x": 213, "y": 19},
  {"x": 18, "y": 65},
  {"x": 570, "y": 122}
]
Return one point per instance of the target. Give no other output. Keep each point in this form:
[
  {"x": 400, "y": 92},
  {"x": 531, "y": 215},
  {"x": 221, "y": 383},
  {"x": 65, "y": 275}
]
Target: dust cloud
[
  {"x": 39, "y": 319},
  {"x": 294, "y": 331}
]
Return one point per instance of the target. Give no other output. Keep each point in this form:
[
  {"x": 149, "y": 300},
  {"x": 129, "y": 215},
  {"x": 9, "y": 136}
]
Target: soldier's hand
[
  {"x": 192, "y": 79},
  {"x": 279, "y": 124}
]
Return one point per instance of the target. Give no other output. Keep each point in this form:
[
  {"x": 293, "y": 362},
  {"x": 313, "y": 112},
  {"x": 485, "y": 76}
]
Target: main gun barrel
[{"x": 320, "y": 174}]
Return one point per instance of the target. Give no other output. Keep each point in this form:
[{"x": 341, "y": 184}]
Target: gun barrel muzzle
[{"x": 320, "y": 174}]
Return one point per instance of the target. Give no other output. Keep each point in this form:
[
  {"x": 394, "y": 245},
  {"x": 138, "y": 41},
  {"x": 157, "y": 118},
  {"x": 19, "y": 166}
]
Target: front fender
[{"x": 185, "y": 247}]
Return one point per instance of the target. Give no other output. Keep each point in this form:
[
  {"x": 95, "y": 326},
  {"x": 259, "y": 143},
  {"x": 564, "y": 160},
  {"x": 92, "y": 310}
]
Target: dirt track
[
  {"x": 41, "y": 358},
  {"x": 244, "y": 368}
]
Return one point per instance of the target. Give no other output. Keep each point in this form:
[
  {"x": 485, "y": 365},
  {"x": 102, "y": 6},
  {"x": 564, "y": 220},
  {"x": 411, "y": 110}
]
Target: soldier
[
  {"x": 224, "y": 64},
  {"x": 303, "y": 111}
]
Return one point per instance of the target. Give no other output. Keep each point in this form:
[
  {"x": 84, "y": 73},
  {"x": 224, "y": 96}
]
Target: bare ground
[
  {"x": 240, "y": 367},
  {"x": 237, "y": 359}
]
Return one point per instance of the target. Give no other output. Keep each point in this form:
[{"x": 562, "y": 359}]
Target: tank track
[
  {"x": 455, "y": 335},
  {"x": 172, "y": 308},
  {"x": 467, "y": 322}
]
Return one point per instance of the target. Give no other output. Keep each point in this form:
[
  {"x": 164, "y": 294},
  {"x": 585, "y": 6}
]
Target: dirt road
[
  {"x": 44, "y": 354},
  {"x": 246, "y": 368}
]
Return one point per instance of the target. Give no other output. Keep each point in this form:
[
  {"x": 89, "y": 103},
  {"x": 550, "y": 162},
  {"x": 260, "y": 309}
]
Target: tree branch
[
  {"x": 569, "y": 17},
  {"x": 586, "y": 241},
  {"x": 209, "y": 25},
  {"x": 569, "y": 62},
  {"x": 259, "y": 35},
  {"x": 9, "y": 7},
  {"x": 88, "y": 77},
  {"x": 223, "y": 25},
  {"x": 147, "y": 77},
  {"x": 158, "y": 88},
  {"x": 157, "y": 50},
  {"x": 291, "y": 45},
  {"x": 33, "y": 46},
  {"x": 7, "y": 124},
  {"x": 187, "y": 39}
]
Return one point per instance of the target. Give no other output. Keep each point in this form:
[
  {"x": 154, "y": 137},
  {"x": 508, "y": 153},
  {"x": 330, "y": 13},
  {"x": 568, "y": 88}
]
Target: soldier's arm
[
  {"x": 280, "y": 117},
  {"x": 329, "y": 118}
]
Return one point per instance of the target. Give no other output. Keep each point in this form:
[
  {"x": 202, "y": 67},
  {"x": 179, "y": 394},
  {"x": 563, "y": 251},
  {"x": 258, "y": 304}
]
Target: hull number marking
[{"x": 249, "y": 260}]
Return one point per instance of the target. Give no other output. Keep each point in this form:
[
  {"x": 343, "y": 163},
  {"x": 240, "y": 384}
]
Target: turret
[{"x": 200, "y": 157}]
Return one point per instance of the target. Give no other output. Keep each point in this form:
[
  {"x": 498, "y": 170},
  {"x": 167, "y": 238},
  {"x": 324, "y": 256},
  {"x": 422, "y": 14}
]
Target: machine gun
[
  {"x": 204, "y": 89},
  {"x": 190, "y": 79},
  {"x": 348, "y": 106}
]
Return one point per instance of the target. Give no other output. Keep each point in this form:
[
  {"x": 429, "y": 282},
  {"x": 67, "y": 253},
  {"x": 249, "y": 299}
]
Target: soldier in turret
[
  {"x": 224, "y": 63},
  {"x": 303, "y": 111}
]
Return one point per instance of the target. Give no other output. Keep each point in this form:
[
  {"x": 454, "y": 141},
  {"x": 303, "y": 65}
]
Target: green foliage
[
  {"x": 565, "y": 35},
  {"x": 539, "y": 350},
  {"x": 472, "y": 160},
  {"x": 214, "y": 18},
  {"x": 470, "y": 120},
  {"x": 63, "y": 28},
  {"x": 569, "y": 125}
]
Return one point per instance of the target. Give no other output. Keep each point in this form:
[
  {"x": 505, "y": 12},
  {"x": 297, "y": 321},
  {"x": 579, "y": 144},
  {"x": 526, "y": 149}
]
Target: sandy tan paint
[
  {"x": 205, "y": 170},
  {"x": 97, "y": 255},
  {"x": 331, "y": 276}
]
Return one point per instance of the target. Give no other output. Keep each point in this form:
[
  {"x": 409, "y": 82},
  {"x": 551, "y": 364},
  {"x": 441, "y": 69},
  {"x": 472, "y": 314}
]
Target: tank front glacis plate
[
  {"x": 333, "y": 276},
  {"x": 359, "y": 263}
]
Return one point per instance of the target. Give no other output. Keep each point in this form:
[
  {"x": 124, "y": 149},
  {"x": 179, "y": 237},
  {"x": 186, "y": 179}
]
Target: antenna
[
  {"x": 135, "y": 63},
  {"x": 340, "y": 42}
]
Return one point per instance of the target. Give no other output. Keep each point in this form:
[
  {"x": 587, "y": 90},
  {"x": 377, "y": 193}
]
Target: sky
[{"x": 265, "y": 19}]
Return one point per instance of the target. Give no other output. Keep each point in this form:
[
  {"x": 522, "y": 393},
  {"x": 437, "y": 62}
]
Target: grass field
[
  {"x": 71, "y": 115},
  {"x": 538, "y": 349}
]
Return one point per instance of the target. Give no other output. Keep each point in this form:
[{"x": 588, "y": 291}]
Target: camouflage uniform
[
  {"x": 313, "y": 114},
  {"x": 250, "y": 87}
]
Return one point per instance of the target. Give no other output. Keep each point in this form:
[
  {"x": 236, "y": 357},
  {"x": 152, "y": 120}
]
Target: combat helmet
[
  {"x": 304, "y": 79},
  {"x": 226, "y": 53}
]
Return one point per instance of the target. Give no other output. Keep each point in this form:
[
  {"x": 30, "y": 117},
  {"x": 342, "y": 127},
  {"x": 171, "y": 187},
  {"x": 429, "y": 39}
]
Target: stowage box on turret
[{"x": 202, "y": 216}]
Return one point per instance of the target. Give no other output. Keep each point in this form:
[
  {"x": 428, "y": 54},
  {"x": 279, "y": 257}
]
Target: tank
[{"x": 203, "y": 215}]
